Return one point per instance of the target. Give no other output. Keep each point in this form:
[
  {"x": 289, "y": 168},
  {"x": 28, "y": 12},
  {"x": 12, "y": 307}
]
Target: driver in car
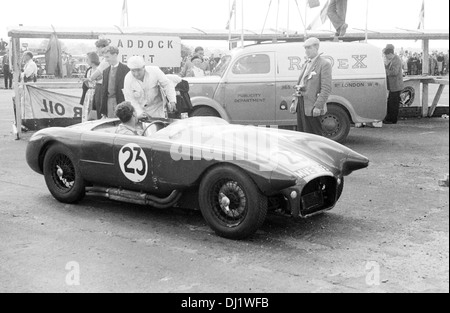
[{"x": 130, "y": 123}]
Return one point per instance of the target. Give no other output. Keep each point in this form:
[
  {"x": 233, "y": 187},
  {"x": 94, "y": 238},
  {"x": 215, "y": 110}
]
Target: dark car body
[{"x": 177, "y": 157}]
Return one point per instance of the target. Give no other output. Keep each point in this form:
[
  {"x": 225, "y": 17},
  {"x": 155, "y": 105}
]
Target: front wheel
[
  {"x": 336, "y": 124},
  {"x": 231, "y": 203},
  {"x": 62, "y": 175}
]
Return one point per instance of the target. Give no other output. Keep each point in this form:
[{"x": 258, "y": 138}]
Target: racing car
[{"x": 234, "y": 174}]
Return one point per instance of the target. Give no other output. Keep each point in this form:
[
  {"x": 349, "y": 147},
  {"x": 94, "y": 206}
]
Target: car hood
[{"x": 287, "y": 152}]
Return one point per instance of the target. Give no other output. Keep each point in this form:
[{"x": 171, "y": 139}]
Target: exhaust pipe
[{"x": 135, "y": 197}]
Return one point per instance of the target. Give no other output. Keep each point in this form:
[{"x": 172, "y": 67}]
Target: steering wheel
[{"x": 151, "y": 124}]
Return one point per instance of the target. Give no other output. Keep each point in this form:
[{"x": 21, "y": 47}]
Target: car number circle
[{"x": 133, "y": 162}]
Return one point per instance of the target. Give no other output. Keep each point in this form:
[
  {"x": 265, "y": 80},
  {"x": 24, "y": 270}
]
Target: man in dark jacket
[
  {"x": 394, "y": 72},
  {"x": 113, "y": 83},
  {"x": 7, "y": 73}
]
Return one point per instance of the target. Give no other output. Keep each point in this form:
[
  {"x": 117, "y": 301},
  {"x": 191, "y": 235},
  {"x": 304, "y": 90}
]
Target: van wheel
[
  {"x": 205, "y": 111},
  {"x": 62, "y": 175},
  {"x": 336, "y": 124},
  {"x": 231, "y": 203}
]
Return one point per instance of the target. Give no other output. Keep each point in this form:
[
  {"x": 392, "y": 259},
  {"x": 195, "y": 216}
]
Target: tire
[
  {"x": 205, "y": 111},
  {"x": 62, "y": 175},
  {"x": 336, "y": 124},
  {"x": 247, "y": 210}
]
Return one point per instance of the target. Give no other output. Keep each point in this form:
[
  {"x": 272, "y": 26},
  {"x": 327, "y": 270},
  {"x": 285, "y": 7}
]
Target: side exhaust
[{"x": 135, "y": 197}]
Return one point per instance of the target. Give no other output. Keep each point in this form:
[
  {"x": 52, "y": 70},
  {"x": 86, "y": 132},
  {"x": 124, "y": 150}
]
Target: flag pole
[
  {"x": 367, "y": 21},
  {"x": 306, "y": 19},
  {"x": 242, "y": 33},
  {"x": 288, "y": 21},
  {"x": 229, "y": 26}
]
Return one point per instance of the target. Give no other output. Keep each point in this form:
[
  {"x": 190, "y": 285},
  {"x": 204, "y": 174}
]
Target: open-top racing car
[{"x": 234, "y": 174}]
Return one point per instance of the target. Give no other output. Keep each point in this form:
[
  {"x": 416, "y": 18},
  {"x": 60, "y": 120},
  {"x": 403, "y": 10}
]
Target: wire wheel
[
  {"x": 230, "y": 202},
  {"x": 63, "y": 172}
]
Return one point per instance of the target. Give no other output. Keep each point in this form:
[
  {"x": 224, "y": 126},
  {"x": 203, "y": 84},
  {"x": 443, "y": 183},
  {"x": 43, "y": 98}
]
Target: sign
[
  {"x": 133, "y": 163},
  {"x": 156, "y": 50},
  {"x": 42, "y": 108}
]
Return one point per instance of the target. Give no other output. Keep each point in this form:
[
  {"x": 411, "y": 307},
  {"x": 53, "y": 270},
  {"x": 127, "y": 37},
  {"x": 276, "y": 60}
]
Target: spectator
[
  {"x": 337, "y": 12},
  {"x": 394, "y": 74},
  {"x": 113, "y": 83},
  {"x": 65, "y": 61},
  {"x": 7, "y": 72},
  {"x": 30, "y": 69},
  {"x": 142, "y": 89},
  {"x": 440, "y": 63},
  {"x": 196, "y": 68},
  {"x": 92, "y": 91},
  {"x": 200, "y": 52}
]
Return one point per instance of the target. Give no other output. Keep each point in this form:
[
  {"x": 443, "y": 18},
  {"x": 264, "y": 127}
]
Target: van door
[
  {"x": 250, "y": 89},
  {"x": 289, "y": 66}
]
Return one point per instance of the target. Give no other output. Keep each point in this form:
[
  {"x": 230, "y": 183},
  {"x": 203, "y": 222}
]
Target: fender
[
  {"x": 204, "y": 101},
  {"x": 354, "y": 117}
]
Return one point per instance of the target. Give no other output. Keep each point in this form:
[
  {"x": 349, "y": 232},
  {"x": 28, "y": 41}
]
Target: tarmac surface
[{"x": 393, "y": 217}]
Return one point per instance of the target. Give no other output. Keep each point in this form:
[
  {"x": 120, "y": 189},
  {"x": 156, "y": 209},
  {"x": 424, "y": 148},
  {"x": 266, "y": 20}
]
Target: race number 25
[{"x": 133, "y": 163}]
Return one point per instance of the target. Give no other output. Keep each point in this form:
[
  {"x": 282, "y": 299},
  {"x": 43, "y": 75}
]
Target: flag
[
  {"x": 124, "y": 22},
  {"x": 422, "y": 16},
  {"x": 321, "y": 18},
  {"x": 232, "y": 13}
]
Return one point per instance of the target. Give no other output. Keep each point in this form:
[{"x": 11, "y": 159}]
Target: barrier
[{"x": 42, "y": 109}]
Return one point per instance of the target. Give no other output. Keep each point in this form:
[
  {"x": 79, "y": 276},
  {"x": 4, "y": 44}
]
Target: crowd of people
[{"x": 413, "y": 63}]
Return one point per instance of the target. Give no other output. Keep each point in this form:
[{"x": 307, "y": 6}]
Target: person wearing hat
[
  {"x": 145, "y": 88},
  {"x": 313, "y": 90},
  {"x": 196, "y": 69},
  {"x": 395, "y": 84}
]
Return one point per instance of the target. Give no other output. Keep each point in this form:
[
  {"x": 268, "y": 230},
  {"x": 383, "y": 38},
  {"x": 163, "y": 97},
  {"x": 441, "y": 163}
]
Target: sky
[{"x": 214, "y": 14}]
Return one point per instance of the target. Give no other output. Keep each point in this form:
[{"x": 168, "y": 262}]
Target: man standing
[
  {"x": 142, "y": 89},
  {"x": 394, "y": 73},
  {"x": 337, "y": 12},
  {"x": 113, "y": 82},
  {"x": 314, "y": 88},
  {"x": 7, "y": 73},
  {"x": 30, "y": 69}
]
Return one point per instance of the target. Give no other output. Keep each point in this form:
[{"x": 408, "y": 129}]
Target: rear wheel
[
  {"x": 231, "y": 203},
  {"x": 62, "y": 175},
  {"x": 205, "y": 111},
  {"x": 336, "y": 124}
]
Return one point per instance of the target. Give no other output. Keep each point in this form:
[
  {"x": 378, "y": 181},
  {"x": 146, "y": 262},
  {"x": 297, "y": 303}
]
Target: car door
[
  {"x": 97, "y": 160},
  {"x": 134, "y": 167},
  {"x": 250, "y": 89}
]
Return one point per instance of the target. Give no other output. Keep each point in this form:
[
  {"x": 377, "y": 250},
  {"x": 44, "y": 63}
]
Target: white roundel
[{"x": 133, "y": 163}]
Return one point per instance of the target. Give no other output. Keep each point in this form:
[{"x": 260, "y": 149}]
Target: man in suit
[
  {"x": 7, "y": 71},
  {"x": 394, "y": 72},
  {"x": 313, "y": 90},
  {"x": 113, "y": 83}
]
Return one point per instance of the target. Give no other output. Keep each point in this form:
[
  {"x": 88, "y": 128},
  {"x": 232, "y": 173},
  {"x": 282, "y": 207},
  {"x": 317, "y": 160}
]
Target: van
[{"x": 255, "y": 85}]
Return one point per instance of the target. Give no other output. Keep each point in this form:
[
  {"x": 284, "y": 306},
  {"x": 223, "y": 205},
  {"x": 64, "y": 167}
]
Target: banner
[
  {"x": 42, "y": 108},
  {"x": 156, "y": 50}
]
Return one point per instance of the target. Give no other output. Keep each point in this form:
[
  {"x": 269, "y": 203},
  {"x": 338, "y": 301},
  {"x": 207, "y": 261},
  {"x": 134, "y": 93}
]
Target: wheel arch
[
  {"x": 207, "y": 102},
  {"x": 345, "y": 105},
  {"x": 256, "y": 179}
]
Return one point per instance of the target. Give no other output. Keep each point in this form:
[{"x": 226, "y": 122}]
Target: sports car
[{"x": 234, "y": 174}]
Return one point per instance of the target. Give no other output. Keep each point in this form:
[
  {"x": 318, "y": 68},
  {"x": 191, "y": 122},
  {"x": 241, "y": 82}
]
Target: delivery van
[{"x": 255, "y": 85}]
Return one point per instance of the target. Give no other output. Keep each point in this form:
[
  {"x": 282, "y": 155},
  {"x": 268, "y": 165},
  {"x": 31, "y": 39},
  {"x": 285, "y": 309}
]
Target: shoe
[{"x": 343, "y": 30}]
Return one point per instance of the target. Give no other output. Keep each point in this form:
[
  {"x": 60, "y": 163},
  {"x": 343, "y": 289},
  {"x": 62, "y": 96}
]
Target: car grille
[{"x": 319, "y": 195}]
